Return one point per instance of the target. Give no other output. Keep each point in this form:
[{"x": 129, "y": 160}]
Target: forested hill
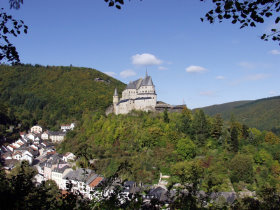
[
  {"x": 53, "y": 94},
  {"x": 262, "y": 113}
]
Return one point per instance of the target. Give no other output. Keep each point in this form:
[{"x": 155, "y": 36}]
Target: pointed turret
[
  {"x": 116, "y": 92},
  {"x": 146, "y": 72},
  {"x": 115, "y": 97}
]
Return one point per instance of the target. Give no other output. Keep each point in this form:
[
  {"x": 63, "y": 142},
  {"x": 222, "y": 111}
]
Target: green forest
[
  {"x": 187, "y": 146},
  {"x": 52, "y": 95},
  {"x": 263, "y": 113}
]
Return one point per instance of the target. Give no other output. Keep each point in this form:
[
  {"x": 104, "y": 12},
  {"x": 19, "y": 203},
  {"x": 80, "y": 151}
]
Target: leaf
[
  {"x": 252, "y": 24},
  {"x": 111, "y": 4},
  {"x": 277, "y": 20}
]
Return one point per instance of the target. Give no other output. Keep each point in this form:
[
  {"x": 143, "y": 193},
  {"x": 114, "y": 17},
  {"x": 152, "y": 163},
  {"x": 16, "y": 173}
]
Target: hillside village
[{"x": 37, "y": 147}]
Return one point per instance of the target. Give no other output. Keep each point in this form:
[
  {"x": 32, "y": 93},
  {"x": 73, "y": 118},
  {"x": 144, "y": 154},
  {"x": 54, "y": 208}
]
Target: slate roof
[
  {"x": 91, "y": 178},
  {"x": 147, "y": 81},
  {"x": 158, "y": 193},
  {"x": 81, "y": 175},
  {"x": 10, "y": 163},
  {"x": 140, "y": 98},
  {"x": 60, "y": 170},
  {"x": 57, "y": 133}
]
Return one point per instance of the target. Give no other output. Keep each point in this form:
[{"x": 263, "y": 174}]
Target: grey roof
[
  {"x": 129, "y": 183},
  {"x": 122, "y": 101},
  {"x": 140, "y": 98},
  {"x": 81, "y": 174},
  {"x": 57, "y": 133},
  {"x": 147, "y": 81},
  {"x": 158, "y": 193},
  {"x": 91, "y": 178},
  {"x": 133, "y": 85},
  {"x": 60, "y": 170},
  {"x": 10, "y": 163}
]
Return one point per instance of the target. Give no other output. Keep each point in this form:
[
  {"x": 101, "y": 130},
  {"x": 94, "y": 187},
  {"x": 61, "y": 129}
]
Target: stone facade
[{"x": 138, "y": 95}]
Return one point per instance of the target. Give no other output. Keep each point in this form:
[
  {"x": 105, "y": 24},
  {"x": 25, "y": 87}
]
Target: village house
[
  {"x": 9, "y": 164},
  {"x": 22, "y": 134},
  {"x": 59, "y": 172},
  {"x": 57, "y": 136},
  {"x": 36, "y": 129},
  {"x": 69, "y": 157},
  {"x": 45, "y": 135},
  {"x": 67, "y": 127},
  {"x": 81, "y": 180}
]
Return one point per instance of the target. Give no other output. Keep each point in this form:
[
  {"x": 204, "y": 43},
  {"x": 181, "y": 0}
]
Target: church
[{"x": 138, "y": 95}]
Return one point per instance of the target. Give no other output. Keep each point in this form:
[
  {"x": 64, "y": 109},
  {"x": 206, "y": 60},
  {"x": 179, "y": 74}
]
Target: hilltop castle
[{"x": 138, "y": 95}]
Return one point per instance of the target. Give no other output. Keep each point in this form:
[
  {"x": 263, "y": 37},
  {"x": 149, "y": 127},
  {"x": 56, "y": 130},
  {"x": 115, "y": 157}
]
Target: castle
[{"x": 138, "y": 95}]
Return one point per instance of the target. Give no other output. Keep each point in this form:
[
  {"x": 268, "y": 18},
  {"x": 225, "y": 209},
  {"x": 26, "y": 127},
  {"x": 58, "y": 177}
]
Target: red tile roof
[{"x": 95, "y": 182}]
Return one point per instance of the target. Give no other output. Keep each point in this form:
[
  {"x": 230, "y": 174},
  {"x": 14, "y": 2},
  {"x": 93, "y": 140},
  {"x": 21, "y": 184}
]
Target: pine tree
[
  {"x": 217, "y": 127},
  {"x": 165, "y": 116},
  {"x": 245, "y": 131},
  {"x": 201, "y": 127},
  {"x": 184, "y": 123},
  {"x": 234, "y": 139}
]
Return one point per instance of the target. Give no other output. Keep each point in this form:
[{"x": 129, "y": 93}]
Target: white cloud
[
  {"x": 162, "y": 68},
  {"x": 195, "y": 69},
  {"x": 127, "y": 73},
  {"x": 273, "y": 93},
  {"x": 207, "y": 93},
  {"x": 220, "y": 77},
  {"x": 274, "y": 52},
  {"x": 145, "y": 59},
  {"x": 110, "y": 73},
  {"x": 247, "y": 65},
  {"x": 257, "y": 76}
]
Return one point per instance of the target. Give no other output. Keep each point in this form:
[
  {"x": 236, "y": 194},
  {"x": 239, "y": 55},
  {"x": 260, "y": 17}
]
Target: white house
[
  {"x": 19, "y": 142},
  {"x": 69, "y": 157},
  {"x": 22, "y": 134},
  {"x": 80, "y": 179},
  {"x": 17, "y": 155},
  {"x": 27, "y": 157},
  {"x": 67, "y": 127},
  {"x": 23, "y": 155},
  {"x": 58, "y": 173},
  {"x": 45, "y": 135},
  {"x": 31, "y": 136},
  {"x": 11, "y": 147},
  {"x": 36, "y": 129},
  {"x": 39, "y": 178},
  {"x": 57, "y": 136}
]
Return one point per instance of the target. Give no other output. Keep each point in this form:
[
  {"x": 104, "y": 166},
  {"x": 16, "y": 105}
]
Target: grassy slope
[
  {"x": 55, "y": 94},
  {"x": 262, "y": 113}
]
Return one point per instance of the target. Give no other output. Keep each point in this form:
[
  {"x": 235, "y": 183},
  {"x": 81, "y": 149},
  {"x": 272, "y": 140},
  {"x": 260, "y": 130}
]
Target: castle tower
[
  {"x": 115, "y": 97},
  {"x": 115, "y": 100}
]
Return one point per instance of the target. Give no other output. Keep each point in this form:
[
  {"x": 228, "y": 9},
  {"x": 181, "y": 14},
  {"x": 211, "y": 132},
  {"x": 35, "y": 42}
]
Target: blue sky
[{"x": 200, "y": 63}]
